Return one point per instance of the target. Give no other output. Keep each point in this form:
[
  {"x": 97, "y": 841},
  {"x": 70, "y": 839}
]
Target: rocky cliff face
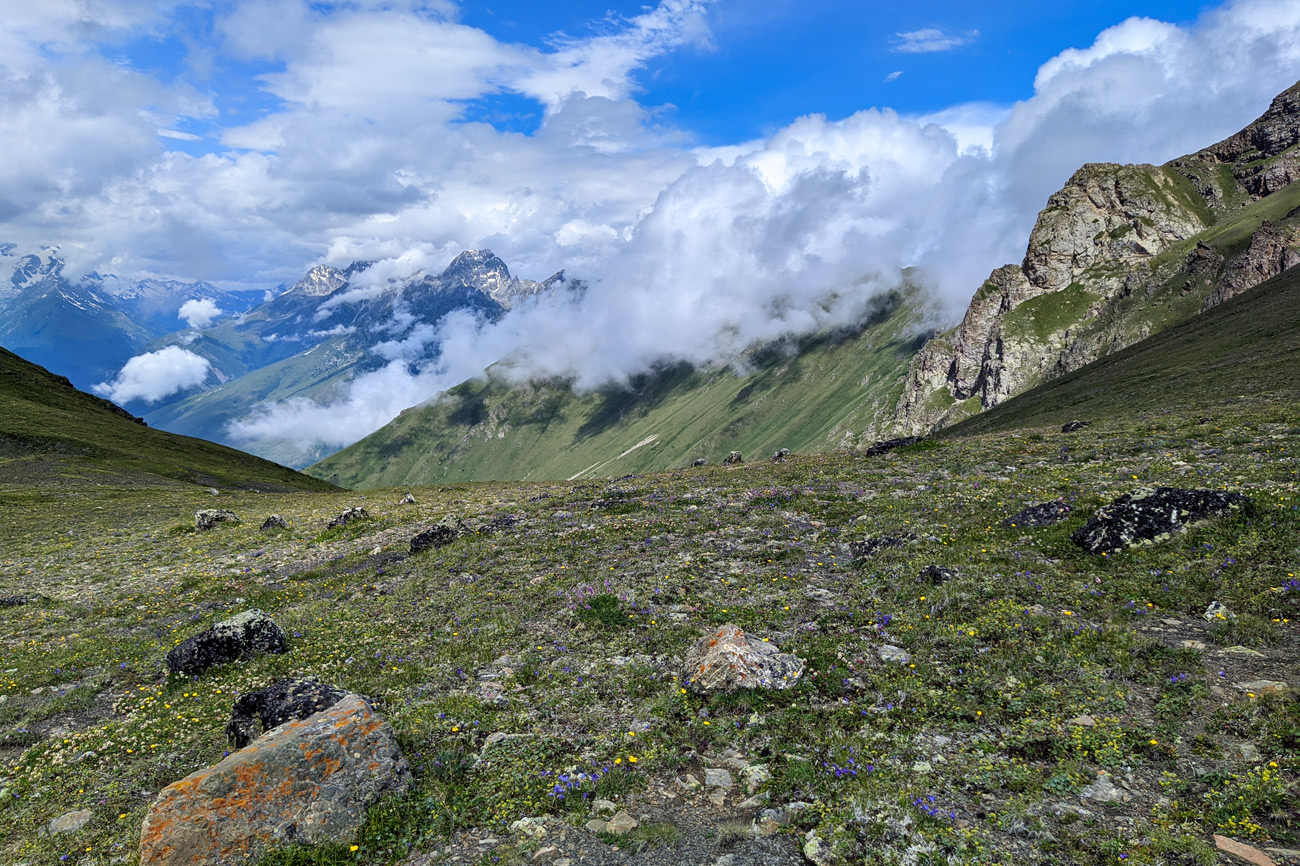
[{"x": 1120, "y": 252}]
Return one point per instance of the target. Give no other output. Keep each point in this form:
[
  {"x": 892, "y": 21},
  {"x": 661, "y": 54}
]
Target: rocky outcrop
[
  {"x": 1108, "y": 262},
  {"x": 1272, "y": 250},
  {"x": 434, "y": 537},
  {"x": 242, "y": 636},
  {"x": 1149, "y": 515},
  {"x": 351, "y": 515},
  {"x": 727, "y": 660},
  {"x": 309, "y": 781}
]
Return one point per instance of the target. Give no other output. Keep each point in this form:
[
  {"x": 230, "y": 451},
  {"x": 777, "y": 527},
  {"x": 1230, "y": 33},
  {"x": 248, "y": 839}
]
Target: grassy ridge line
[
  {"x": 809, "y": 395},
  {"x": 1248, "y": 345},
  {"x": 50, "y": 431}
]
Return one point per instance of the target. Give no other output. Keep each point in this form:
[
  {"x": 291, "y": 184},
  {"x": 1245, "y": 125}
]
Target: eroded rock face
[
  {"x": 727, "y": 659},
  {"x": 308, "y": 781},
  {"x": 285, "y": 701},
  {"x": 1272, "y": 249},
  {"x": 241, "y": 636},
  {"x": 208, "y": 518},
  {"x": 1149, "y": 515}
]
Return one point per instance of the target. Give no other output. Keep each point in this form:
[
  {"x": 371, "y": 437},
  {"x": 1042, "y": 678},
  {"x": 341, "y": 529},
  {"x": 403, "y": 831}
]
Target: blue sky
[{"x": 720, "y": 171}]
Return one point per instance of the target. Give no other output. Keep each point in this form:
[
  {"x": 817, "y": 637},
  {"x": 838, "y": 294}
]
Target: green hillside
[
  {"x": 813, "y": 394},
  {"x": 1249, "y": 345},
  {"x": 52, "y": 433}
]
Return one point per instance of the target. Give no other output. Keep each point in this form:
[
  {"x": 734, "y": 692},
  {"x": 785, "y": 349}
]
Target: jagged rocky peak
[
  {"x": 1258, "y": 160},
  {"x": 321, "y": 281},
  {"x": 1119, "y": 252},
  {"x": 484, "y": 271}
]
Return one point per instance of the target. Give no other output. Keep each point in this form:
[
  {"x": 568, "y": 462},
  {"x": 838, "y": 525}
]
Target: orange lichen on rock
[{"x": 297, "y": 783}]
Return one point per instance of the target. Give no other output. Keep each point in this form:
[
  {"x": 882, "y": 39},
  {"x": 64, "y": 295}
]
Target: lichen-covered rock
[
  {"x": 1074, "y": 426},
  {"x": 352, "y": 514},
  {"x": 434, "y": 537},
  {"x": 867, "y": 547},
  {"x": 408, "y": 499},
  {"x": 13, "y": 600},
  {"x": 727, "y": 660},
  {"x": 282, "y": 702},
  {"x": 207, "y": 518},
  {"x": 1043, "y": 514},
  {"x": 241, "y": 636},
  {"x": 309, "y": 781},
  {"x": 699, "y": 461},
  {"x": 779, "y": 456},
  {"x": 1149, "y": 515},
  {"x": 733, "y": 458},
  {"x": 273, "y": 522},
  {"x": 936, "y": 575}
]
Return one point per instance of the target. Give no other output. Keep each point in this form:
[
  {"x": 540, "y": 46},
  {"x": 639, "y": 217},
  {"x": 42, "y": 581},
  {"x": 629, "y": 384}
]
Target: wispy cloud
[
  {"x": 893, "y": 76},
  {"x": 930, "y": 40}
]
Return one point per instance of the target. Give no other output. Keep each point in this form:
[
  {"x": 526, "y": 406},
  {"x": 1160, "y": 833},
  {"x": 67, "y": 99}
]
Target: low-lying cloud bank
[
  {"x": 154, "y": 375},
  {"x": 799, "y": 230}
]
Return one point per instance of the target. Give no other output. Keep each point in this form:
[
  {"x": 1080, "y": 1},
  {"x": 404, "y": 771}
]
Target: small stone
[
  {"x": 725, "y": 860},
  {"x": 604, "y": 806},
  {"x": 1242, "y": 651},
  {"x": 718, "y": 797},
  {"x": 531, "y": 828},
  {"x": 754, "y": 777},
  {"x": 936, "y": 575},
  {"x": 1262, "y": 688},
  {"x": 1244, "y": 853},
  {"x": 921, "y": 767},
  {"x": 1247, "y": 752},
  {"x": 818, "y": 850},
  {"x": 564, "y": 861},
  {"x": 545, "y": 852},
  {"x": 1217, "y": 612},
  {"x": 69, "y": 822},
  {"x": 596, "y": 825},
  {"x": 754, "y": 802},
  {"x": 621, "y": 824},
  {"x": 1192, "y": 645},
  {"x": 688, "y": 782},
  {"x": 717, "y": 778},
  {"x": 1084, "y": 721},
  {"x": 891, "y": 653},
  {"x": 1103, "y": 790}
]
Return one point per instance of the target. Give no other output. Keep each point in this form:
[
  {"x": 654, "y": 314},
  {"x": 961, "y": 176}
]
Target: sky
[{"x": 720, "y": 171}]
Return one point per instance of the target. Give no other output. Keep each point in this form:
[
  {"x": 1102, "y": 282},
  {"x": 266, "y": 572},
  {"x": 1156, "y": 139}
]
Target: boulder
[
  {"x": 1043, "y": 514},
  {"x": 884, "y": 446},
  {"x": 13, "y": 600},
  {"x": 1149, "y": 515},
  {"x": 868, "y": 546},
  {"x": 285, "y": 701},
  {"x": 241, "y": 636},
  {"x": 1075, "y": 426},
  {"x": 433, "y": 538},
  {"x": 352, "y": 514},
  {"x": 936, "y": 574},
  {"x": 780, "y": 456},
  {"x": 408, "y": 499},
  {"x": 309, "y": 781},
  {"x": 733, "y": 458},
  {"x": 699, "y": 461},
  {"x": 727, "y": 660},
  {"x": 69, "y": 822},
  {"x": 275, "y": 521},
  {"x": 207, "y": 518}
]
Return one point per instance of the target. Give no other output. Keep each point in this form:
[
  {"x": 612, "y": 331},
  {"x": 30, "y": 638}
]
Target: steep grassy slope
[
  {"x": 49, "y": 431},
  {"x": 1249, "y": 345},
  {"x": 813, "y": 394}
]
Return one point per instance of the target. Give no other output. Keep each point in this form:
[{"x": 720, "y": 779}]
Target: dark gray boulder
[
  {"x": 936, "y": 574},
  {"x": 242, "y": 636},
  {"x": 868, "y": 547},
  {"x": 1043, "y": 514},
  {"x": 285, "y": 701},
  {"x": 352, "y": 514},
  {"x": 884, "y": 446},
  {"x": 13, "y": 600},
  {"x": 733, "y": 458},
  {"x": 699, "y": 461},
  {"x": 780, "y": 456},
  {"x": 1075, "y": 426},
  {"x": 1149, "y": 515},
  {"x": 208, "y": 518},
  {"x": 434, "y": 537},
  {"x": 275, "y": 521}
]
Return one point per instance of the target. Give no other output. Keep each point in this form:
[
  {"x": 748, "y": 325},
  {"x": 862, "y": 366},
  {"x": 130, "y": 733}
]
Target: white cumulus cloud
[
  {"x": 199, "y": 312},
  {"x": 155, "y": 375}
]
